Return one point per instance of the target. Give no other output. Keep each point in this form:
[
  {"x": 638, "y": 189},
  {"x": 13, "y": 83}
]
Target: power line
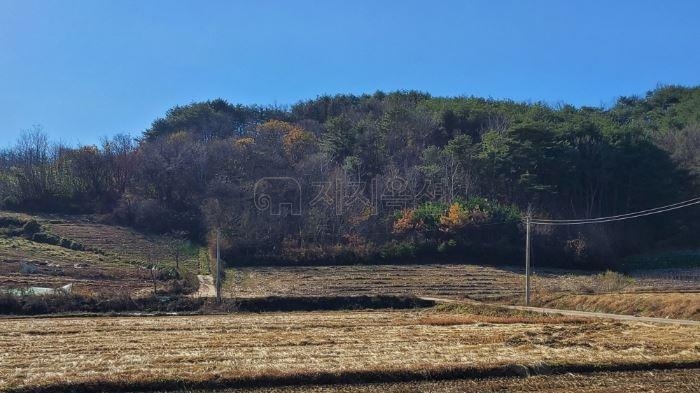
[
  {"x": 620, "y": 217},
  {"x": 690, "y": 201},
  {"x": 627, "y": 216}
]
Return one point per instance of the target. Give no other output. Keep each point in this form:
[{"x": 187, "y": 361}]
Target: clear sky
[{"x": 85, "y": 69}]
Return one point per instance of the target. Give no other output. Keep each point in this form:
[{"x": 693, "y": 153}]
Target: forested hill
[{"x": 399, "y": 176}]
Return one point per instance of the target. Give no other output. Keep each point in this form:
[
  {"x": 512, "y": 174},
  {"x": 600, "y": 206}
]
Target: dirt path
[
  {"x": 585, "y": 314},
  {"x": 439, "y": 300},
  {"x": 618, "y": 317},
  {"x": 206, "y": 286}
]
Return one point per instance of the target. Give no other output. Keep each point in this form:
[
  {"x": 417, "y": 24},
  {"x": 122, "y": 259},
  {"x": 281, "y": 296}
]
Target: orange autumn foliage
[
  {"x": 295, "y": 139},
  {"x": 406, "y": 222},
  {"x": 455, "y": 218}
]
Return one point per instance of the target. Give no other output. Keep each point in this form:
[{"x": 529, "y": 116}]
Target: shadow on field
[{"x": 67, "y": 304}]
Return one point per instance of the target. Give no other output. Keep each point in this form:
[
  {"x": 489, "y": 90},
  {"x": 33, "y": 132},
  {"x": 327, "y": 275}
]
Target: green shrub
[
  {"x": 168, "y": 273},
  {"x": 31, "y": 227},
  {"x": 11, "y": 232},
  {"x": 70, "y": 244},
  {"x": 398, "y": 250},
  {"x": 76, "y": 246},
  {"x": 8, "y": 303},
  {"x": 187, "y": 283},
  {"x": 447, "y": 246},
  {"x": 48, "y": 238},
  {"x": 429, "y": 215},
  {"x": 11, "y": 222}
]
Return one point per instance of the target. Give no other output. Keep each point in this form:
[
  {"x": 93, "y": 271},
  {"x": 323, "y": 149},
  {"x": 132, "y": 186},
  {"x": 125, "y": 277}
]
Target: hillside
[
  {"x": 95, "y": 258},
  {"x": 381, "y": 178}
]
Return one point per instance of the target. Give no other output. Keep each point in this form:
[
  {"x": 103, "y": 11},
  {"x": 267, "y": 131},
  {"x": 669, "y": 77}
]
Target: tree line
[{"x": 400, "y": 176}]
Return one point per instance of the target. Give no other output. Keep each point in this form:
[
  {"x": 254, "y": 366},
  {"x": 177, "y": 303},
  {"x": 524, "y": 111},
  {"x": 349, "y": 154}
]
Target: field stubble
[
  {"x": 454, "y": 281},
  {"x": 123, "y": 352},
  {"x": 113, "y": 261}
]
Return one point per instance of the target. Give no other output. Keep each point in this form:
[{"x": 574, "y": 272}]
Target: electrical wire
[
  {"x": 620, "y": 217},
  {"x": 690, "y": 201}
]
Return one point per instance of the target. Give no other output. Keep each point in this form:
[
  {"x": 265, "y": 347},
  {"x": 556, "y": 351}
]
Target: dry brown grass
[
  {"x": 451, "y": 320},
  {"x": 685, "y": 305},
  {"x": 553, "y": 288},
  {"x": 119, "y": 244},
  {"x": 578, "y": 282},
  {"x": 112, "y": 263},
  {"x": 74, "y": 351},
  {"x": 57, "y": 266},
  {"x": 451, "y": 281},
  {"x": 445, "y": 280},
  {"x": 462, "y": 313}
]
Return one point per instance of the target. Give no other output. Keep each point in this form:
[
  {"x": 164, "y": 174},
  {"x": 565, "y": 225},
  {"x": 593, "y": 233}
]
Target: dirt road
[
  {"x": 206, "y": 286},
  {"x": 619, "y": 317},
  {"x": 585, "y": 314}
]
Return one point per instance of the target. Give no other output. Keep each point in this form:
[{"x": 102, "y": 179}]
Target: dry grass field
[
  {"x": 451, "y": 281},
  {"x": 455, "y": 281},
  {"x": 230, "y": 350},
  {"x": 664, "y": 293},
  {"x": 113, "y": 260},
  {"x": 56, "y": 266},
  {"x": 121, "y": 244},
  {"x": 664, "y": 305}
]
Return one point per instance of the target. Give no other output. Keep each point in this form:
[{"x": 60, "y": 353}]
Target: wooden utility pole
[
  {"x": 218, "y": 266},
  {"x": 153, "y": 277},
  {"x": 527, "y": 260},
  {"x": 152, "y": 265}
]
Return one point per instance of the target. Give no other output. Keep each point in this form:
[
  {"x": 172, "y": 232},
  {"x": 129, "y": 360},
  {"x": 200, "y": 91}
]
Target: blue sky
[{"x": 86, "y": 69}]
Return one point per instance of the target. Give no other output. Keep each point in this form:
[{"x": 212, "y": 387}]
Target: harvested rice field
[
  {"x": 112, "y": 259},
  {"x": 238, "y": 350},
  {"x": 453, "y": 281}
]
